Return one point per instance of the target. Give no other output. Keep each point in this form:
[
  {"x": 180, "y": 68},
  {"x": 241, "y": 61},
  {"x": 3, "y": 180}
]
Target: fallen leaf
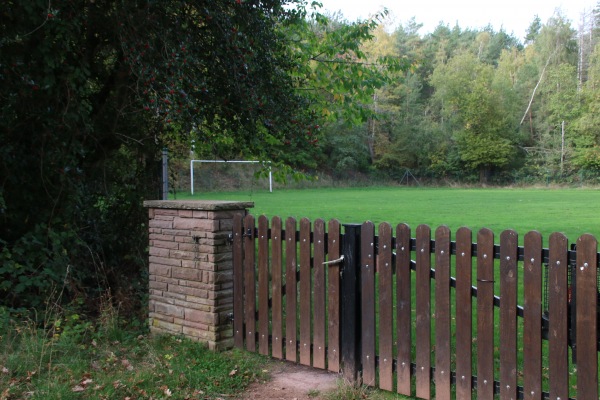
[
  {"x": 168, "y": 392},
  {"x": 127, "y": 364},
  {"x": 233, "y": 372},
  {"x": 4, "y": 370},
  {"x": 78, "y": 388}
]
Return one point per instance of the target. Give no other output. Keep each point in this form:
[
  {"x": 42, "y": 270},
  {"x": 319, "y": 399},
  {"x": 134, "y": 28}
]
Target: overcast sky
[{"x": 512, "y": 15}]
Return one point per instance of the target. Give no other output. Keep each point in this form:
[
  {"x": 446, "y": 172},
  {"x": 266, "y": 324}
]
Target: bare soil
[{"x": 290, "y": 381}]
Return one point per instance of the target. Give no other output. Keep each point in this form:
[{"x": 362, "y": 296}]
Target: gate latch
[{"x": 336, "y": 261}]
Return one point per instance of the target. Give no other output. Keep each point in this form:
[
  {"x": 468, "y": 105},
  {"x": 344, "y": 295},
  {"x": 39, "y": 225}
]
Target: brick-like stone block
[
  {"x": 157, "y": 223},
  {"x": 183, "y": 255},
  {"x": 166, "y": 326},
  {"x": 197, "y": 333},
  {"x": 176, "y": 232},
  {"x": 184, "y": 290},
  {"x": 160, "y": 270},
  {"x": 165, "y": 261},
  {"x": 164, "y": 217},
  {"x": 167, "y": 279},
  {"x": 169, "y": 295},
  {"x": 170, "y": 245},
  {"x": 200, "y": 262},
  {"x": 158, "y": 285},
  {"x": 161, "y": 236},
  {"x": 185, "y": 213},
  {"x": 158, "y": 252},
  {"x": 197, "y": 284},
  {"x": 168, "y": 309},
  {"x": 185, "y": 273},
  {"x": 191, "y": 324},
  {"x": 202, "y": 317},
  {"x": 163, "y": 211},
  {"x": 161, "y": 317},
  {"x": 194, "y": 224},
  {"x": 200, "y": 214},
  {"x": 200, "y": 300}
]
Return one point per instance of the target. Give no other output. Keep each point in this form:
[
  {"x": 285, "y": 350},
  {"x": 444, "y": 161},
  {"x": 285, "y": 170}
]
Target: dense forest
[
  {"x": 91, "y": 92},
  {"x": 481, "y": 106}
]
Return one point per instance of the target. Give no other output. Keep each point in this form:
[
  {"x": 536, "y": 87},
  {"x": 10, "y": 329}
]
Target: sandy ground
[{"x": 293, "y": 382}]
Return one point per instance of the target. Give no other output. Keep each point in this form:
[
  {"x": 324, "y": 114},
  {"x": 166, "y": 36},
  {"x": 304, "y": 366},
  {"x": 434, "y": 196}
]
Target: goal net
[{"x": 221, "y": 175}]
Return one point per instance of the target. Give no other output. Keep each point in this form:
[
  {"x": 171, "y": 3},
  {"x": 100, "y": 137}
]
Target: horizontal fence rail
[{"x": 421, "y": 314}]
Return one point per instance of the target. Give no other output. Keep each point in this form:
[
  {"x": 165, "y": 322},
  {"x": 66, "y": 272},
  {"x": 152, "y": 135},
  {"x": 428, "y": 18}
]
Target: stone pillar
[{"x": 191, "y": 270}]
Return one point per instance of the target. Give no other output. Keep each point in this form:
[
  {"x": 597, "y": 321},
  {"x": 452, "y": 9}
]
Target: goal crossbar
[{"x": 228, "y": 162}]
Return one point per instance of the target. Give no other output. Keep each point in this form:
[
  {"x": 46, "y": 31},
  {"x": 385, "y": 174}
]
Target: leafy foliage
[{"x": 92, "y": 91}]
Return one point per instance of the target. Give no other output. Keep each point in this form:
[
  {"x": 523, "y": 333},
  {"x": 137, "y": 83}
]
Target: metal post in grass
[{"x": 350, "y": 323}]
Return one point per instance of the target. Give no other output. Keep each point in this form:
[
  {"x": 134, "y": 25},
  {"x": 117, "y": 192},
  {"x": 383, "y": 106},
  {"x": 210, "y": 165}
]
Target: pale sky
[{"x": 514, "y": 16}]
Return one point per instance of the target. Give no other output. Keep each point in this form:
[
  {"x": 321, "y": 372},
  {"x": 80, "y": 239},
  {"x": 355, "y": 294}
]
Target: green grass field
[{"x": 570, "y": 211}]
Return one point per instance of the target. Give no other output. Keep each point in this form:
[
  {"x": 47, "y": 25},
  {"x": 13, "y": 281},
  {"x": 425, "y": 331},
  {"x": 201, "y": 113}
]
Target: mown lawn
[{"x": 570, "y": 211}]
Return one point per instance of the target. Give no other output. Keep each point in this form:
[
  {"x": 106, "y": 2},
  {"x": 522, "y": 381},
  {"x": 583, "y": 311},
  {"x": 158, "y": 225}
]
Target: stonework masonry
[{"x": 191, "y": 270}]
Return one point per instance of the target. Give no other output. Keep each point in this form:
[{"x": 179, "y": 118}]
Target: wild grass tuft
[{"x": 69, "y": 357}]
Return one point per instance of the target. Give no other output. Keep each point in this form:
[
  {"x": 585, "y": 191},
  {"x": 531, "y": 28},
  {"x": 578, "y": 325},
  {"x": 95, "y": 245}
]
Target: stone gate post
[{"x": 191, "y": 270}]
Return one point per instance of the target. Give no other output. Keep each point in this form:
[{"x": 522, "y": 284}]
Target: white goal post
[{"x": 224, "y": 161}]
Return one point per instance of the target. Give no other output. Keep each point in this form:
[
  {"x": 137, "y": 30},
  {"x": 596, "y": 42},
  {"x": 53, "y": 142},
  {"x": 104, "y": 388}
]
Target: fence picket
[
  {"x": 290, "y": 290},
  {"x": 238, "y": 282},
  {"x": 485, "y": 314},
  {"x": 423, "y": 324},
  {"x": 263, "y": 285},
  {"x": 333, "y": 300},
  {"x": 442, "y": 313},
  {"x": 319, "y": 294},
  {"x": 249, "y": 284},
  {"x": 464, "y": 313},
  {"x": 386, "y": 298},
  {"x": 508, "y": 314},
  {"x": 532, "y": 317},
  {"x": 276, "y": 285},
  {"x": 403, "y": 308},
  {"x": 305, "y": 292},
  {"x": 558, "y": 362},
  {"x": 587, "y": 315},
  {"x": 367, "y": 278}
]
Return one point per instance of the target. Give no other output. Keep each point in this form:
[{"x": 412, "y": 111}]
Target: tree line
[{"x": 479, "y": 105}]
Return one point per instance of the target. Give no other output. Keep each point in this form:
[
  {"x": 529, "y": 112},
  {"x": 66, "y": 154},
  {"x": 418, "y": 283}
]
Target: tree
[
  {"x": 481, "y": 129},
  {"x": 533, "y": 30}
]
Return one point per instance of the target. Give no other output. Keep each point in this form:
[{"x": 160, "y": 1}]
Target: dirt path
[{"x": 292, "y": 381}]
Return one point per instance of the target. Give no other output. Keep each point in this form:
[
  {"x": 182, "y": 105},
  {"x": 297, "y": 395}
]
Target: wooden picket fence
[{"x": 352, "y": 303}]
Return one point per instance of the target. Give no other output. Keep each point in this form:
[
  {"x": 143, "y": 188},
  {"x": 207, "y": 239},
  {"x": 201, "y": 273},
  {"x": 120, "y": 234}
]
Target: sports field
[{"x": 570, "y": 211}]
